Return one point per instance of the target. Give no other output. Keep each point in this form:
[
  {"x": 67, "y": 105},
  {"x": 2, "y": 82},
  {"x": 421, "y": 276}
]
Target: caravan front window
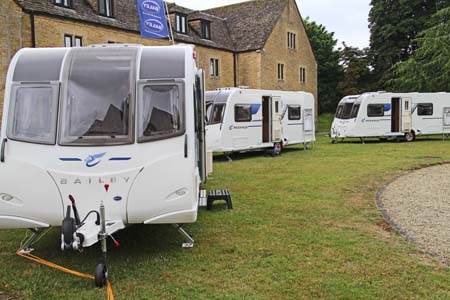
[
  {"x": 98, "y": 103},
  {"x": 355, "y": 111},
  {"x": 32, "y": 115},
  {"x": 217, "y": 114},
  {"x": 161, "y": 112}
]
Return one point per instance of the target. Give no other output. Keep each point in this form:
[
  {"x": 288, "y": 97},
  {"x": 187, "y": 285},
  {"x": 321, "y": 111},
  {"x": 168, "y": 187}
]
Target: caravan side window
[
  {"x": 375, "y": 110},
  {"x": 217, "y": 114},
  {"x": 160, "y": 112},
  {"x": 242, "y": 113},
  {"x": 425, "y": 109},
  {"x": 294, "y": 112},
  {"x": 33, "y": 113}
]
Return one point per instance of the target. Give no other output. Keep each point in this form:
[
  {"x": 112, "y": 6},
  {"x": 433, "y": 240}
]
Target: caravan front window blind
[
  {"x": 161, "y": 112},
  {"x": 32, "y": 116}
]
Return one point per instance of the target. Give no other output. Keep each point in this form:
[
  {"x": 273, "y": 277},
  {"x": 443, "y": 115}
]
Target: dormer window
[
  {"x": 180, "y": 23},
  {"x": 64, "y": 3},
  {"x": 206, "y": 29},
  {"x": 105, "y": 8}
]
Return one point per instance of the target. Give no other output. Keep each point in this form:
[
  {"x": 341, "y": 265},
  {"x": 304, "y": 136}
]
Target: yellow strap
[{"x": 109, "y": 291}]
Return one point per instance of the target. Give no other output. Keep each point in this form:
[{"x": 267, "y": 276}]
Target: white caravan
[
  {"x": 245, "y": 119},
  {"x": 388, "y": 115},
  {"x": 114, "y": 134}
]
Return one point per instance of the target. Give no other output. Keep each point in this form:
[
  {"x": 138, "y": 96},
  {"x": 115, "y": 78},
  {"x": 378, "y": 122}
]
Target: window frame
[
  {"x": 70, "y": 37},
  {"x": 69, "y": 3},
  {"x": 205, "y": 28},
  {"x": 179, "y": 17},
  {"x": 375, "y": 105},
  {"x": 80, "y": 38},
  {"x": 15, "y": 87},
  {"x": 111, "y": 8},
  {"x": 302, "y": 78},
  {"x": 425, "y": 104},
  {"x": 214, "y": 67},
  {"x": 241, "y": 105},
  {"x": 292, "y": 107},
  {"x": 280, "y": 72},
  {"x": 292, "y": 40},
  {"x": 140, "y": 138}
]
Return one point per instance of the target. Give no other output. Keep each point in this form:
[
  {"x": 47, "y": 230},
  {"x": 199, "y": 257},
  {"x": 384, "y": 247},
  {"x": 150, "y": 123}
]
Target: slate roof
[{"x": 239, "y": 27}]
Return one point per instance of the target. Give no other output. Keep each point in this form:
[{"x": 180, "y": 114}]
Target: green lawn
[{"x": 305, "y": 226}]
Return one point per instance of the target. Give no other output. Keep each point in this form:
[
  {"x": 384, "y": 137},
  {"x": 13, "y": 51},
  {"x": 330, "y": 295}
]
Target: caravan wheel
[
  {"x": 277, "y": 147},
  {"x": 101, "y": 275},
  {"x": 410, "y": 136}
]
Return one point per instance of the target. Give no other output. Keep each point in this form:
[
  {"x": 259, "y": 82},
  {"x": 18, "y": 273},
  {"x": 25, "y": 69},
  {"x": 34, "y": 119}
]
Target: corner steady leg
[
  {"x": 26, "y": 248},
  {"x": 190, "y": 240}
]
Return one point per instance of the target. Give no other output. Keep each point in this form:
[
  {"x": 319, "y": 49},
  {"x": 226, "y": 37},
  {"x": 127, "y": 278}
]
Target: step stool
[{"x": 214, "y": 195}]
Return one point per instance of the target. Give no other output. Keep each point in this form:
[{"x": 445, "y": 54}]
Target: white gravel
[{"x": 418, "y": 204}]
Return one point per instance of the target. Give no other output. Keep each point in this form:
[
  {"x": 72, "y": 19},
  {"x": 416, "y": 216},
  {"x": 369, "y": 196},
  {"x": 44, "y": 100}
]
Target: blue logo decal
[
  {"x": 255, "y": 108},
  {"x": 93, "y": 160},
  {"x": 153, "y": 25},
  {"x": 117, "y": 198},
  {"x": 387, "y": 107}
]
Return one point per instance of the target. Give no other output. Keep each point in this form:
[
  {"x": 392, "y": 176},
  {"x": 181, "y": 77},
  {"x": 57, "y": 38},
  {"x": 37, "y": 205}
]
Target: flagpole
[{"x": 170, "y": 23}]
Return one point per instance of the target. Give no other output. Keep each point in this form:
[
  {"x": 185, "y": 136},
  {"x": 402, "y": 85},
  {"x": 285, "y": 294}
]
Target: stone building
[{"x": 259, "y": 44}]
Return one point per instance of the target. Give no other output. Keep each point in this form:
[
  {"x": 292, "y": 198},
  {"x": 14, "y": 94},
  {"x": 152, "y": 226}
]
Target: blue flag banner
[{"x": 152, "y": 15}]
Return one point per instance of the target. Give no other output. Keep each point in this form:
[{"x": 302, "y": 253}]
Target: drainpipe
[
  {"x": 33, "y": 31},
  {"x": 234, "y": 68}
]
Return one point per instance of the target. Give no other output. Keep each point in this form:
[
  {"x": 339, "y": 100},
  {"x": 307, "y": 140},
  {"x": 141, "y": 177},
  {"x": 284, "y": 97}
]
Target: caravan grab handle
[{"x": 2, "y": 154}]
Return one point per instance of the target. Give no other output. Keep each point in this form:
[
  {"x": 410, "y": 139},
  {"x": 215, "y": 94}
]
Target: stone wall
[
  {"x": 249, "y": 70},
  {"x": 276, "y": 52}
]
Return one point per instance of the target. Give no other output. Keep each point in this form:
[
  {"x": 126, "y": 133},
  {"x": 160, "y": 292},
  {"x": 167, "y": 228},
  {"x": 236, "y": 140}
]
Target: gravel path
[{"x": 418, "y": 205}]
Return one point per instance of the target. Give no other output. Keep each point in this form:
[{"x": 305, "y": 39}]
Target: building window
[
  {"x": 292, "y": 40},
  {"x": 302, "y": 75},
  {"x": 242, "y": 113},
  {"x": 67, "y": 40},
  {"x": 180, "y": 23},
  {"x": 206, "y": 29},
  {"x": 375, "y": 110},
  {"x": 425, "y": 109},
  {"x": 78, "y": 41},
  {"x": 294, "y": 112},
  {"x": 64, "y": 3},
  {"x": 105, "y": 8},
  {"x": 280, "y": 71},
  {"x": 214, "y": 67}
]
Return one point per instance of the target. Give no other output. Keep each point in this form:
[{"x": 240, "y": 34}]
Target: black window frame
[
  {"x": 214, "y": 63},
  {"x": 280, "y": 72},
  {"x": 205, "y": 27},
  {"x": 105, "y": 13},
  {"x": 355, "y": 110},
  {"x": 242, "y": 106},
  {"x": 292, "y": 40},
  {"x": 80, "y": 38},
  {"x": 70, "y": 37},
  {"x": 302, "y": 77},
  {"x": 291, "y": 108},
  {"x": 180, "y": 17},
  {"x": 372, "y": 115},
  {"x": 69, "y": 3},
  {"x": 421, "y": 106}
]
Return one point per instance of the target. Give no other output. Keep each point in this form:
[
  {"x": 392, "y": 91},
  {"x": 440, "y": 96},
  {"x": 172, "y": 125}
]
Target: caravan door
[
  {"x": 406, "y": 114},
  {"x": 276, "y": 119}
]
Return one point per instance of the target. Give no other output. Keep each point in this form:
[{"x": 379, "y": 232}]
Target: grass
[{"x": 305, "y": 226}]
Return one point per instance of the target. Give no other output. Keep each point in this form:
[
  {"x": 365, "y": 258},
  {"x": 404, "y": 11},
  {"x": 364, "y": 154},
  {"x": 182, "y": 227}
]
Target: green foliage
[
  {"x": 356, "y": 71},
  {"x": 329, "y": 70},
  {"x": 394, "y": 26},
  {"x": 428, "y": 70}
]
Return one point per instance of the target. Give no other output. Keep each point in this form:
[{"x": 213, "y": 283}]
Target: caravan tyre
[{"x": 410, "y": 136}]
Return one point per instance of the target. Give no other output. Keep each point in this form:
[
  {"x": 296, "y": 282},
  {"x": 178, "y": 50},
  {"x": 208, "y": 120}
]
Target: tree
[
  {"x": 329, "y": 70},
  {"x": 394, "y": 26},
  {"x": 428, "y": 69},
  {"x": 357, "y": 75}
]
